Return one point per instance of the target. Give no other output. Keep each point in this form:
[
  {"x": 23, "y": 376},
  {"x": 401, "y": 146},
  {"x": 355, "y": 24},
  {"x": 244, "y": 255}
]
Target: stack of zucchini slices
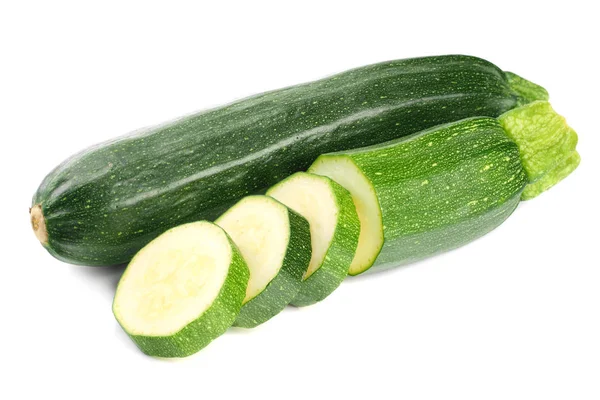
[{"x": 186, "y": 287}]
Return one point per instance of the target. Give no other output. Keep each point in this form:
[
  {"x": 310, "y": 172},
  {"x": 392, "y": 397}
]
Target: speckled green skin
[
  {"x": 104, "y": 204},
  {"x": 441, "y": 188},
  {"x": 334, "y": 268},
  {"x": 211, "y": 324},
  {"x": 287, "y": 283}
]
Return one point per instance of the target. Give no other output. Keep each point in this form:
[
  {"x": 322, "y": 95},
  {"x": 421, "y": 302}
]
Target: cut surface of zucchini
[
  {"x": 275, "y": 243},
  {"x": 343, "y": 171},
  {"x": 181, "y": 290},
  {"x": 334, "y": 230}
]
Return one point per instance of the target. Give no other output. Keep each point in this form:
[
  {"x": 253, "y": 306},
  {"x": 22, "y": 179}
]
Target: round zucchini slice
[
  {"x": 182, "y": 290},
  {"x": 334, "y": 230},
  {"x": 343, "y": 171},
  {"x": 275, "y": 242}
]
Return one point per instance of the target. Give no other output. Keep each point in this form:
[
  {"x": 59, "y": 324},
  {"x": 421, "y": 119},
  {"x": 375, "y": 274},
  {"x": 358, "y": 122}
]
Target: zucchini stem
[
  {"x": 546, "y": 145},
  {"x": 525, "y": 90},
  {"x": 38, "y": 223}
]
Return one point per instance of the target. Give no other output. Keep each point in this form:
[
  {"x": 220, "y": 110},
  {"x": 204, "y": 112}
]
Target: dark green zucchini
[{"x": 104, "y": 204}]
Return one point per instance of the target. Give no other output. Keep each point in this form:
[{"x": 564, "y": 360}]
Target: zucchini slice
[
  {"x": 182, "y": 290},
  {"x": 334, "y": 230},
  {"x": 275, "y": 242},
  {"x": 343, "y": 171}
]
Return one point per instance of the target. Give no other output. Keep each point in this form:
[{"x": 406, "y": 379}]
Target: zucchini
[
  {"x": 334, "y": 230},
  {"x": 104, "y": 204},
  {"x": 275, "y": 242},
  {"x": 182, "y": 290},
  {"x": 446, "y": 186}
]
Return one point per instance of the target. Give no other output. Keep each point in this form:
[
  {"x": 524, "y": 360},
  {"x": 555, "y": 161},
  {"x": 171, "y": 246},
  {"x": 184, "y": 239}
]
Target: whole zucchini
[{"x": 104, "y": 204}]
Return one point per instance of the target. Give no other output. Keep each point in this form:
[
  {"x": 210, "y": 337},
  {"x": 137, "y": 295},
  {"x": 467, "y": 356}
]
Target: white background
[{"x": 514, "y": 315}]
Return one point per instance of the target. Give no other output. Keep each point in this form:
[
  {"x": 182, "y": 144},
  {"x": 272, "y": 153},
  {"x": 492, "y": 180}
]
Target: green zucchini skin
[
  {"x": 339, "y": 256},
  {"x": 527, "y": 92},
  {"x": 441, "y": 188},
  {"x": 286, "y": 284},
  {"x": 211, "y": 324},
  {"x": 104, "y": 204}
]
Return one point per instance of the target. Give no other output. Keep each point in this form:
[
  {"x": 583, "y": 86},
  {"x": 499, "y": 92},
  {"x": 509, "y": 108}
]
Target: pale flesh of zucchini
[
  {"x": 259, "y": 226},
  {"x": 343, "y": 171},
  {"x": 312, "y": 198},
  {"x": 173, "y": 280}
]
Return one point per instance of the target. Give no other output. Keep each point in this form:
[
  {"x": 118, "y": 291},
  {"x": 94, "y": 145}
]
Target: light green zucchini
[{"x": 443, "y": 187}]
